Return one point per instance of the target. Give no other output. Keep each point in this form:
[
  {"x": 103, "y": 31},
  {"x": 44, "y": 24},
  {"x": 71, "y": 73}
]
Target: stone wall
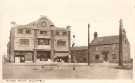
[{"x": 97, "y": 53}]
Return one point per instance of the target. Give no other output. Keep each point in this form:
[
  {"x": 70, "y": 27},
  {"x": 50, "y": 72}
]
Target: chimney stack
[
  {"x": 95, "y": 35},
  {"x": 13, "y": 24}
]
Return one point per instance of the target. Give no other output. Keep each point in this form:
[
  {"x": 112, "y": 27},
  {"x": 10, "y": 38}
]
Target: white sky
[{"x": 103, "y": 16}]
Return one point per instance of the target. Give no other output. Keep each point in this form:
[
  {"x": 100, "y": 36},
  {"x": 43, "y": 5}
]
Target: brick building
[
  {"x": 80, "y": 54},
  {"x": 39, "y": 40},
  {"x": 102, "y": 49}
]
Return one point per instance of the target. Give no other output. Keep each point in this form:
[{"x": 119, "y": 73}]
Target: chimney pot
[{"x": 95, "y": 35}]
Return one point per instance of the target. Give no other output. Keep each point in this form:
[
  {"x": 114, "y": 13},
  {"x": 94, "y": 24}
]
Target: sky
[{"x": 102, "y": 15}]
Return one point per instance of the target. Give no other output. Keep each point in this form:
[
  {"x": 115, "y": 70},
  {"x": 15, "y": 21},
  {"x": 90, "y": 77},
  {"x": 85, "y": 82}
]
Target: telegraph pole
[
  {"x": 73, "y": 44},
  {"x": 88, "y": 45},
  {"x": 120, "y": 43}
]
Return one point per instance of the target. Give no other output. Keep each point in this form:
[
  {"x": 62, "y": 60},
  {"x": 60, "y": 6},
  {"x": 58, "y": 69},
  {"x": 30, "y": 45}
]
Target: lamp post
[
  {"x": 73, "y": 44},
  {"x": 69, "y": 44}
]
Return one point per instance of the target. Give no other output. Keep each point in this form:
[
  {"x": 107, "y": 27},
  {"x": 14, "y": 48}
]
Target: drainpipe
[
  {"x": 35, "y": 46},
  {"x": 52, "y": 42}
]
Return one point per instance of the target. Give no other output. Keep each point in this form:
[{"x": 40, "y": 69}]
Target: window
[
  {"x": 43, "y": 32},
  {"x": 28, "y": 31},
  {"x": 114, "y": 56},
  {"x": 96, "y": 48},
  {"x": 84, "y": 59},
  {"x": 125, "y": 41},
  {"x": 97, "y": 57},
  {"x": 24, "y": 41},
  {"x": 64, "y": 33},
  {"x": 43, "y": 41},
  {"x": 43, "y": 24},
  {"x": 61, "y": 43},
  {"x": 113, "y": 47},
  {"x": 57, "y": 33},
  {"x": 20, "y": 31}
]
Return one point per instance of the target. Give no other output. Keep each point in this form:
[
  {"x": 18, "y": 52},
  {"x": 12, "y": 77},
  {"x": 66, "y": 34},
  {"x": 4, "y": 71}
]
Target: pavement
[{"x": 93, "y": 71}]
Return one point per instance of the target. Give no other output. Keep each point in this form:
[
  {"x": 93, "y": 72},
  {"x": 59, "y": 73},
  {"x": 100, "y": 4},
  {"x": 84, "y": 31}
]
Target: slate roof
[
  {"x": 79, "y": 48},
  {"x": 105, "y": 40}
]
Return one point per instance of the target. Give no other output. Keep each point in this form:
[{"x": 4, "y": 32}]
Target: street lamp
[{"x": 73, "y": 44}]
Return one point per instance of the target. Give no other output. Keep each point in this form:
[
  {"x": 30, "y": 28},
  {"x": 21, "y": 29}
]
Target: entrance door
[
  {"x": 17, "y": 59},
  {"x": 43, "y": 55},
  {"x": 105, "y": 55},
  {"x": 22, "y": 59}
]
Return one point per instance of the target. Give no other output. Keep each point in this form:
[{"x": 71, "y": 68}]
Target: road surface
[{"x": 94, "y": 71}]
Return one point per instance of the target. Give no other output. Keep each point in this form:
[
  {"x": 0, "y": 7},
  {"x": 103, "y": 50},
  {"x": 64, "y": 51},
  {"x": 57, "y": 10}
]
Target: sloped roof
[
  {"x": 79, "y": 48},
  {"x": 105, "y": 40}
]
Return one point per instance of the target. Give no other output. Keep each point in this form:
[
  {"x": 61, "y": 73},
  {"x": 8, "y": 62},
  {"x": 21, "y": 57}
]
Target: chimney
[
  {"x": 68, "y": 27},
  {"x": 95, "y": 35},
  {"x": 13, "y": 24}
]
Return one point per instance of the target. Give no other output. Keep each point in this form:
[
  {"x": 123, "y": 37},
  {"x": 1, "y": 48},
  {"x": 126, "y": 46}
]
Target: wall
[
  {"x": 80, "y": 55},
  {"x": 100, "y": 50}
]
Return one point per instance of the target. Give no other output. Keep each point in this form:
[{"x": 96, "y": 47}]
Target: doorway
[
  {"x": 43, "y": 55},
  {"x": 19, "y": 59},
  {"x": 105, "y": 55}
]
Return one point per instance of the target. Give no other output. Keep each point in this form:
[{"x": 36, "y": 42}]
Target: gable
[{"x": 42, "y": 22}]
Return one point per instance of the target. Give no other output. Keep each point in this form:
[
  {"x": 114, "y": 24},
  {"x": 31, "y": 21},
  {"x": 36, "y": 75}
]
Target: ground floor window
[
  {"x": 114, "y": 56},
  {"x": 61, "y": 59},
  {"x": 23, "y": 56},
  {"x": 97, "y": 57},
  {"x": 28, "y": 56},
  {"x": 43, "y": 56},
  {"x": 19, "y": 59}
]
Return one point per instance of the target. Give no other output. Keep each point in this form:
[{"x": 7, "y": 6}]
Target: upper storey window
[
  {"x": 64, "y": 33},
  {"x": 20, "y": 31},
  {"x": 61, "y": 43},
  {"x": 43, "y": 32},
  {"x": 24, "y": 31},
  {"x": 61, "y": 33},
  {"x": 28, "y": 31},
  {"x": 24, "y": 41},
  {"x": 43, "y": 24},
  {"x": 57, "y": 33},
  {"x": 42, "y": 41}
]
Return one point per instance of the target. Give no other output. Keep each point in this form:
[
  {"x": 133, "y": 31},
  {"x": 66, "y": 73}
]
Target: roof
[
  {"x": 79, "y": 48},
  {"x": 36, "y": 22},
  {"x": 105, "y": 40}
]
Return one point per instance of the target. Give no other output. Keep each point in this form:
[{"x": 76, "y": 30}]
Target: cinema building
[{"x": 38, "y": 41}]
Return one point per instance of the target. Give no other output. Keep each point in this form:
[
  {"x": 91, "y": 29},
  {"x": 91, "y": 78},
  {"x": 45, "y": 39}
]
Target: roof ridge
[{"x": 108, "y": 36}]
